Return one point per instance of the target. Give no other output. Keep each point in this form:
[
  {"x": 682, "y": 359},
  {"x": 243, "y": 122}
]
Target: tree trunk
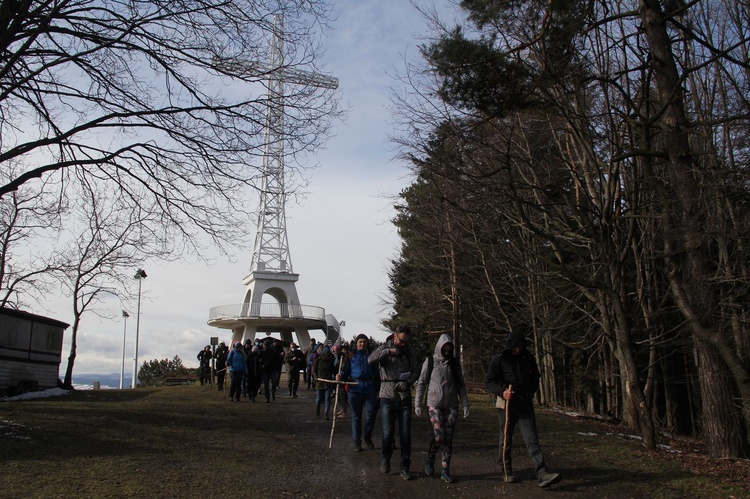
[{"x": 686, "y": 248}]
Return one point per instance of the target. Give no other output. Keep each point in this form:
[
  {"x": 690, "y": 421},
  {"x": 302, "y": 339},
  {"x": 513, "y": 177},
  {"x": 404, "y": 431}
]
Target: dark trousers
[
  {"x": 526, "y": 420},
  {"x": 235, "y": 389},
  {"x": 368, "y": 402},
  {"x": 293, "y": 381},
  {"x": 394, "y": 411},
  {"x": 220, "y": 378}
]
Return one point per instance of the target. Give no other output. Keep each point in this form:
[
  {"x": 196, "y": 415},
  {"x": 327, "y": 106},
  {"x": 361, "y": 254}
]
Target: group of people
[{"x": 382, "y": 379}]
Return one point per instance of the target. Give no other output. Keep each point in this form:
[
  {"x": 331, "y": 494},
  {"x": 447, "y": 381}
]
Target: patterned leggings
[{"x": 443, "y": 423}]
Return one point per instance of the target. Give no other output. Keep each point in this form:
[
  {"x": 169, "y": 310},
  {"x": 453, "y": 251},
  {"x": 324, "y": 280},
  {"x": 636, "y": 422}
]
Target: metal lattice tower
[
  {"x": 271, "y": 268},
  {"x": 271, "y": 248}
]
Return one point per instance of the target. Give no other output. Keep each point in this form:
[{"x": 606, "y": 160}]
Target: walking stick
[
  {"x": 505, "y": 433},
  {"x": 335, "y": 403}
]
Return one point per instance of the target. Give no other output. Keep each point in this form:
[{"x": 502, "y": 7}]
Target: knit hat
[{"x": 361, "y": 337}]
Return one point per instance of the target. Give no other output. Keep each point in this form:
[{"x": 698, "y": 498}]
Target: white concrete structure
[{"x": 271, "y": 272}]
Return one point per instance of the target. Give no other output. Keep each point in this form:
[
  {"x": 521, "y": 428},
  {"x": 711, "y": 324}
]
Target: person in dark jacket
[
  {"x": 398, "y": 372},
  {"x": 221, "y": 364},
  {"x": 272, "y": 360},
  {"x": 323, "y": 369},
  {"x": 253, "y": 372},
  {"x": 362, "y": 395},
  {"x": 516, "y": 367},
  {"x": 297, "y": 363},
  {"x": 342, "y": 356},
  {"x": 204, "y": 356}
]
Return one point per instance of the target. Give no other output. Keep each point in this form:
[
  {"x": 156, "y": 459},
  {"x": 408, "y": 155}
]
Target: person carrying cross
[{"x": 363, "y": 395}]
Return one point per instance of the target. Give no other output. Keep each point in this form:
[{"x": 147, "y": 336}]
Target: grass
[{"x": 185, "y": 441}]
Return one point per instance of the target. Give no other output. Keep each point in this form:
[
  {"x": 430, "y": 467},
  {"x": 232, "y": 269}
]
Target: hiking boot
[
  {"x": 368, "y": 442},
  {"x": 548, "y": 479},
  {"x": 385, "y": 466},
  {"x": 429, "y": 467},
  {"x": 405, "y": 474},
  {"x": 446, "y": 476},
  {"x": 357, "y": 447}
]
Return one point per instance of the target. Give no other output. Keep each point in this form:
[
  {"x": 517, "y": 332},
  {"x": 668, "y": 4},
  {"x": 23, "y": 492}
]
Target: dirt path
[{"x": 341, "y": 472}]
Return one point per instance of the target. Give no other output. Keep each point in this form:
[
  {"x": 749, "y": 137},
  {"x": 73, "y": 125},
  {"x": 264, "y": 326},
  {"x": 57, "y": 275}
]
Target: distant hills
[{"x": 105, "y": 380}]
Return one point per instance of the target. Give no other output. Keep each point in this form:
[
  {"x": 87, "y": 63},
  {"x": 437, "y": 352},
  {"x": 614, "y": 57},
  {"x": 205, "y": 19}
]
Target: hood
[
  {"x": 515, "y": 338},
  {"x": 444, "y": 338}
]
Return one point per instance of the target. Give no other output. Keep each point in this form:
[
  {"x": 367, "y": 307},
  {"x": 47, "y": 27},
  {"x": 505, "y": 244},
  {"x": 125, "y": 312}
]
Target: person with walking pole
[
  {"x": 363, "y": 393},
  {"x": 516, "y": 367},
  {"x": 338, "y": 383}
]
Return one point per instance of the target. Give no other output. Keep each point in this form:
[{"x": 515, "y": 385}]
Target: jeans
[
  {"x": 358, "y": 401},
  {"x": 393, "y": 410},
  {"x": 324, "y": 396},
  {"x": 526, "y": 420}
]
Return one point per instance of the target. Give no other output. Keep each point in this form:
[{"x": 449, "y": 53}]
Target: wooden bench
[
  {"x": 179, "y": 381},
  {"x": 476, "y": 387}
]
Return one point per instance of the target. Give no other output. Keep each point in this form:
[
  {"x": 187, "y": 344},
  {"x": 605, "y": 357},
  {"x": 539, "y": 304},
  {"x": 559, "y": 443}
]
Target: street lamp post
[
  {"x": 125, "y": 316},
  {"x": 140, "y": 275}
]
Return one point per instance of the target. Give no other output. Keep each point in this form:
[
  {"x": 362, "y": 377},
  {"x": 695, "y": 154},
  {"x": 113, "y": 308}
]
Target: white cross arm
[{"x": 287, "y": 75}]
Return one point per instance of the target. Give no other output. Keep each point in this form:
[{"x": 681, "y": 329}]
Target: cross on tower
[
  {"x": 271, "y": 268},
  {"x": 271, "y": 248}
]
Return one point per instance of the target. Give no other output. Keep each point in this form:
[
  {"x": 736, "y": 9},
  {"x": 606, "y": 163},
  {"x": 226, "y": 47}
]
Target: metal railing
[{"x": 267, "y": 311}]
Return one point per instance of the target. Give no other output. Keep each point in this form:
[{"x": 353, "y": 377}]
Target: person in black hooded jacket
[{"x": 515, "y": 366}]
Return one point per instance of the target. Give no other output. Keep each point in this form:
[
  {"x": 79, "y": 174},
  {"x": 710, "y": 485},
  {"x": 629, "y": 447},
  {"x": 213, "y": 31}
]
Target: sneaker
[
  {"x": 510, "y": 478},
  {"x": 548, "y": 479},
  {"x": 405, "y": 474},
  {"x": 357, "y": 447},
  {"x": 446, "y": 476},
  {"x": 369, "y": 443},
  {"x": 429, "y": 467},
  {"x": 385, "y": 466}
]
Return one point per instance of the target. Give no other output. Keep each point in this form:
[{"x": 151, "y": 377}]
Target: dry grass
[{"x": 189, "y": 442}]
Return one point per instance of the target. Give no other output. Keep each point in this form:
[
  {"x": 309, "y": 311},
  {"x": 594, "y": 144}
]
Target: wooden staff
[
  {"x": 505, "y": 432},
  {"x": 336, "y": 398}
]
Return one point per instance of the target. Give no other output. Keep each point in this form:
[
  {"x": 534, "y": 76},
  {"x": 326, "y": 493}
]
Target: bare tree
[
  {"x": 105, "y": 242},
  {"x": 137, "y": 95},
  {"x": 26, "y": 217}
]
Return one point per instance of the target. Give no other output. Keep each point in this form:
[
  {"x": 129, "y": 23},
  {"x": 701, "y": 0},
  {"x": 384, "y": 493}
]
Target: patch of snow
[
  {"x": 587, "y": 434},
  {"x": 52, "y": 392}
]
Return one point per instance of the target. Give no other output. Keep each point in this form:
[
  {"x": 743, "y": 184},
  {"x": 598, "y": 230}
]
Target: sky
[{"x": 340, "y": 236}]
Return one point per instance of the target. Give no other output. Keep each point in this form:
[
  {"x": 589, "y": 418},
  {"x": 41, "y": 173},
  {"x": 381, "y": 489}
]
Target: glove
[
  {"x": 402, "y": 386},
  {"x": 418, "y": 411},
  {"x": 466, "y": 412}
]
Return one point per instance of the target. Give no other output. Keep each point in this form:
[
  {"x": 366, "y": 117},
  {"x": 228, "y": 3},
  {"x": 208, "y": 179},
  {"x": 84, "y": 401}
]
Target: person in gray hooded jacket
[{"x": 441, "y": 383}]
